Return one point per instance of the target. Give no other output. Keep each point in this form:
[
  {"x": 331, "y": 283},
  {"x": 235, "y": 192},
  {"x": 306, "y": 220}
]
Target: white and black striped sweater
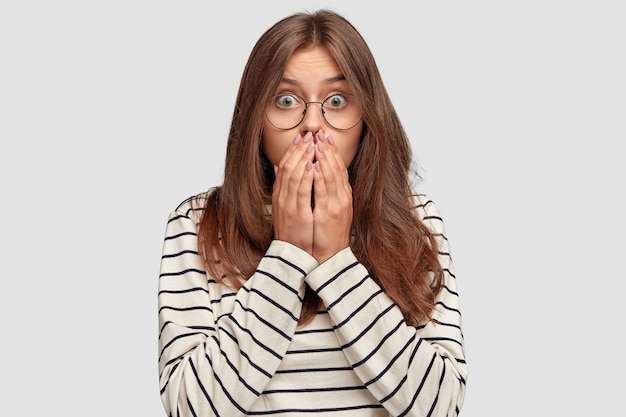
[{"x": 225, "y": 353}]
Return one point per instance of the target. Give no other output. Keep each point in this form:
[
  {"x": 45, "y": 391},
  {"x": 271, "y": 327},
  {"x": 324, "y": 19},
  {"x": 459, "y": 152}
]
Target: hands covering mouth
[{"x": 312, "y": 197}]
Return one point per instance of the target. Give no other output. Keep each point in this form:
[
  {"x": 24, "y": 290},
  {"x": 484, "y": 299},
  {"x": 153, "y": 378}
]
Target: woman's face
[{"x": 313, "y": 75}]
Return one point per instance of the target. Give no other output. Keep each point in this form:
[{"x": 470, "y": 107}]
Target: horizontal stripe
[{"x": 313, "y": 410}]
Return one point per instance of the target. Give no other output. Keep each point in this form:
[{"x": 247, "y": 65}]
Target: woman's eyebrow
[
  {"x": 334, "y": 79},
  {"x": 289, "y": 81}
]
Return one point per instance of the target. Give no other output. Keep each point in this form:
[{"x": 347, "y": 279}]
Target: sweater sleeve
[
  {"x": 214, "y": 364},
  {"x": 411, "y": 370}
]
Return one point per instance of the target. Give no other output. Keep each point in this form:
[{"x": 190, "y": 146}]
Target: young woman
[{"x": 313, "y": 281}]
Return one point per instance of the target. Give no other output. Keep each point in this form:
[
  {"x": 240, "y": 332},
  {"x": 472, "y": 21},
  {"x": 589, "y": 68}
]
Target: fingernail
[
  {"x": 309, "y": 165},
  {"x": 321, "y": 136},
  {"x": 331, "y": 140},
  {"x": 310, "y": 148},
  {"x": 317, "y": 166},
  {"x": 297, "y": 139},
  {"x": 308, "y": 137},
  {"x": 275, "y": 170},
  {"x": 320, "y": 146}
]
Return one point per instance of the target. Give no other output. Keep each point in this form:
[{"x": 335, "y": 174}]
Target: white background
[{"x": 112, "y": 112}]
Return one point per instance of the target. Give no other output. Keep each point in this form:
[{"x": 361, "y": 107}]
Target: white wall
[{"x": 113, "y": 112}]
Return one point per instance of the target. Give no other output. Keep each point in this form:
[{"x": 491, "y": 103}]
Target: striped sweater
[{"x": 226, "y": 353}]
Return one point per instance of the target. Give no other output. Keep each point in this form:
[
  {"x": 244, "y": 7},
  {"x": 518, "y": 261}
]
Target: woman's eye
[
  {"x": 337, "y": 101},
  {"x": 286, "y": 101}
]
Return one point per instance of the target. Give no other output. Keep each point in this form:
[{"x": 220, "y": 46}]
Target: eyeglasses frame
[{"x": 306, "y": 106}]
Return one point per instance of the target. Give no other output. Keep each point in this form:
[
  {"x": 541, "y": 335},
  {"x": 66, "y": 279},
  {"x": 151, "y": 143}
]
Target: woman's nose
[{"x": 313, "y": 120}]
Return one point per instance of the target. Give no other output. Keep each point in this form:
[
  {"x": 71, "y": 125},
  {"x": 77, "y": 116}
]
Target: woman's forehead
[{"x": 312, "y": 64}]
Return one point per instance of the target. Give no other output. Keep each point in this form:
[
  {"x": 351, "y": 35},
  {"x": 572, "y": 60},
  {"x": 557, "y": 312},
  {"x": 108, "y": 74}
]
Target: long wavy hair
[{"x": 235, "y": 229}]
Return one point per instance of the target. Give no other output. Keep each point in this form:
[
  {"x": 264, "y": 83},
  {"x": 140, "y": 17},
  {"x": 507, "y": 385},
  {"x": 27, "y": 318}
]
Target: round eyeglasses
[{"x": 287, "y": 110}]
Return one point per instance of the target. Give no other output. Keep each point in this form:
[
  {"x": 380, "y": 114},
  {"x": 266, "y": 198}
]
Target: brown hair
[{"x": 235, "y": 230}]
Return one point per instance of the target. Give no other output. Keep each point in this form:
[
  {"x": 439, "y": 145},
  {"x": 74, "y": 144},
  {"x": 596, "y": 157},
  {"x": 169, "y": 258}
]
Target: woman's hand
[
  {"x": 332, "y": 214},
  {"x": 292, "y": 215}
]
